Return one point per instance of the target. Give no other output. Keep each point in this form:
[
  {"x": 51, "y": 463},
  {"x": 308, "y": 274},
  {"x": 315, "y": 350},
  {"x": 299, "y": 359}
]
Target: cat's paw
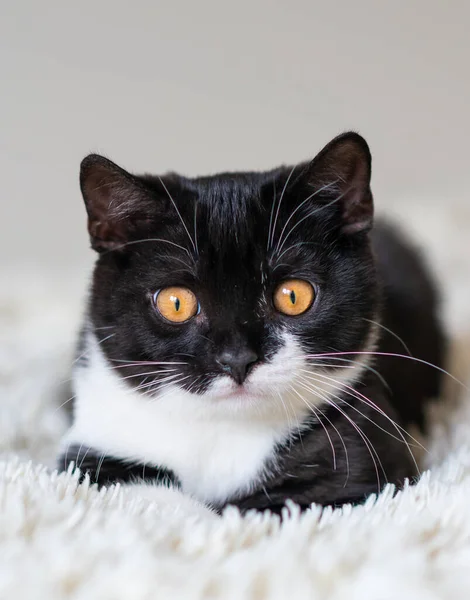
[{"x": 170, "y": 500}]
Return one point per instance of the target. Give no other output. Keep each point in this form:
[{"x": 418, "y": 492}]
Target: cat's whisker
[
  {"x": 138, "y": 363},
  {"x": 186, "y": 271},
  {"x": 289, "y": 422},
  {"x": 279, "y": 265},
  {"x": 206, "y": 338},
  {"x": 342, "y": 442},
  {"x": 100, "y": 464},
  {"x": 392, "y": 355},
  {"x": 163, "y": 390},
  {"x": 192, "y": 384},
  {"x": 392, "y": 333},
  {"x": 292, "y": 247},
  {"x": 83, "y": 457},
  {"x": 189, "y": 268},
  {"x": 308, "y": 215},
  {"x": 149, "y": 374},
  {"x": 160, "y": 383},
  {"x": 196, "y": 382},
  {"x": 99, "y": 342},
  {"x": 164, "y": 378},
  {"x": 359, "y": 396},
  {"x": 66, "y": 455},
  {"x": 368, "y": 402},
  {"x": 299, "y": 429},
  {"x": 316, "y": 408},
  {"x": 195, "y": 228},
  {"x": 158, "y": 368},
  {"x": 322, "y": 365},
  {"x": 170, "y": 380},
  {"x": 370, "y": 447},
  {"x": 273, "y": 203},
  {"x": 299, "y": 206},
  {"x": 312, "y": 409},
  {"x": 78, "y": 454},
  {"x": 355, "y": 365},
  {"x": 144, "y": 240},
  {"x": 179, "y": 214},
  {"x": 270, "y": 242},
  {"x": 64, "y": 403}
]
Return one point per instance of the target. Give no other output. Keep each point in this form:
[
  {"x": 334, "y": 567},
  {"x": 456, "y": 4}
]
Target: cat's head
[{"x": 230, "y": 288}]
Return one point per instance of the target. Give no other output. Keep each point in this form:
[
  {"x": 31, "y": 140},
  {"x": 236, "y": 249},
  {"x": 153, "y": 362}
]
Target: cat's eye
[
  {"x": 294, "y": 296},
  {"x": 176, "y": 304}
]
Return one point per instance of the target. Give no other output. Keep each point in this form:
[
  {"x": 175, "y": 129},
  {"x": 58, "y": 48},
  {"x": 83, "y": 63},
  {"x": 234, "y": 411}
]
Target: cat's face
[{"x": 226, "y": 287}]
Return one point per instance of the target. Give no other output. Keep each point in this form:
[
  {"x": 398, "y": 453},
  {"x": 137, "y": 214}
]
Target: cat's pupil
[
  {"x": 177, "y": 302},
  {"x": 292, "y": 297}
]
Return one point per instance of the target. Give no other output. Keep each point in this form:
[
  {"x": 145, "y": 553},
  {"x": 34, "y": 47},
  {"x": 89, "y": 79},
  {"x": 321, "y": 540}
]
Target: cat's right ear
[
  {"x": 343, "y": 169},
  {"x": 118, "y": 204}
]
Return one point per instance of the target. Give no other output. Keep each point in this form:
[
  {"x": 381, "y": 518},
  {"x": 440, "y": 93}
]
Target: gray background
[{"x": 202, "y": 86}]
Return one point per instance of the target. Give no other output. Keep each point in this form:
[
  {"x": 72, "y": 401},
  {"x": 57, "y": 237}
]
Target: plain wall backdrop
[{"x": 204, "y": 86}]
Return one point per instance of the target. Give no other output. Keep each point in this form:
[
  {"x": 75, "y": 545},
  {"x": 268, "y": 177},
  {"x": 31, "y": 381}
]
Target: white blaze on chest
[
  {"x": 215, "y": 451},
  {"x": 213, "y": 455}
]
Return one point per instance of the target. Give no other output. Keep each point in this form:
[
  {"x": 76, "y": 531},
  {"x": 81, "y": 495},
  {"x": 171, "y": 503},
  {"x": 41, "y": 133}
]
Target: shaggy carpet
[{"x": 59, "y": 539}]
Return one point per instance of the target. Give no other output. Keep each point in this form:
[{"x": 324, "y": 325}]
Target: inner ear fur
[{"x": 117, "y": 202}]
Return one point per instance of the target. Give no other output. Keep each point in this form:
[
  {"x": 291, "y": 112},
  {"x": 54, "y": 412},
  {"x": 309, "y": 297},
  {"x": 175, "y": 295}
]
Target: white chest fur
[
  {"x": 215, "y": 447},
  {"x": 212, "y": 453}
]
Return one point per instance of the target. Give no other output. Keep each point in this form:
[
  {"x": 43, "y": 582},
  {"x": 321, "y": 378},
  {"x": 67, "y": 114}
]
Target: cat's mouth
[
  {"x": 226, "y": 389},
  {"x": 239, "y": 391}
]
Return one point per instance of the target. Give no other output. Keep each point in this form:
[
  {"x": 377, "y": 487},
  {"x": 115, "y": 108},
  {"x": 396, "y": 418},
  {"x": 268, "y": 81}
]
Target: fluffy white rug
[{"x": 59, "y": 539}]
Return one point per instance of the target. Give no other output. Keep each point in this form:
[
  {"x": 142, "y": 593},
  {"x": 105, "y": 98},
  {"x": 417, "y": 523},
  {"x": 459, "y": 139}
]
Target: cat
[{"x": 251, "y": 338}]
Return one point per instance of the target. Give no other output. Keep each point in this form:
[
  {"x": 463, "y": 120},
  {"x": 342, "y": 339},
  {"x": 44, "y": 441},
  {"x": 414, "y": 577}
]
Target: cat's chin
[
  {"x": 239, "y": 392},
  {"x": 225, "y": 390},
  {"x": 231, "y": 398}
]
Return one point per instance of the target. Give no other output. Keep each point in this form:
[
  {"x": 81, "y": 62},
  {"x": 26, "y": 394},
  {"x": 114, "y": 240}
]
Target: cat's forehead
[
  {"x": 232, "y": 185},
  {"x": 235, "y": 228},
  {"x": 233, "y": 209},
  {"x": 230, "y": 196}
]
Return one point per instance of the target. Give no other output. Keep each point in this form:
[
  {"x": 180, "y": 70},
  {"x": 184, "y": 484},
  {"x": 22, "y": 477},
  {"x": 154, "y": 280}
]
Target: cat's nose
[{"x": 237, "y": 363}]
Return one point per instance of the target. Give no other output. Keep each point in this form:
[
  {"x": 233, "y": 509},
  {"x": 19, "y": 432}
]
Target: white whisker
[
  {"x": 179, "y": 214},
  {"x": 195, "y": 228},
  {"x": 393, "y": 355},
  {"x": 310, "y": 407},
  {"x": 99, "y": 342},
  {"x": 270, "y": 242},
  {"x": 145, "y": 240},
  {"x": 397, "y": 337},
  {"x": 370, "y": 447},
  {"x": 354, "y": 365},
  {"x": 357, "y": 395},
  {"x": 322, "y": 189},
  {"x": 308, "y": 215}
]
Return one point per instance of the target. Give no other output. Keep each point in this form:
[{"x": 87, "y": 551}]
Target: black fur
[
  {"x": 106, "y": 470},
  {"x": 243, "y": 234}
]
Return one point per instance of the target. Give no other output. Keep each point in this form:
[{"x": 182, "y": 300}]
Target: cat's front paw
[{"x": 170, "y": 500}]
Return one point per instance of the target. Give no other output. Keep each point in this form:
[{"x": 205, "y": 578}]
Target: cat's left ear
[
  {"x": 343, "y": 169},
  {"x": 118, "y": 204}
]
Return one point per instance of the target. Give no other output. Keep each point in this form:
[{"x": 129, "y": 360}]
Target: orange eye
[
  {"x": 176, "y": 304},
  {"x": 293, "y": 297}
]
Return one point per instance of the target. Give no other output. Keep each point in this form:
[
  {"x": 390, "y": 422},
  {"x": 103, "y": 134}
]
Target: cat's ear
[
  {"x": 118, "y": 204},
  {"x": 343, "y": 169}
]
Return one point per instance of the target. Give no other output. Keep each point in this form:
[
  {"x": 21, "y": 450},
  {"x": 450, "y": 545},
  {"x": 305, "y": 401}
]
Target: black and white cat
[{"x": 250, "y": 337}]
